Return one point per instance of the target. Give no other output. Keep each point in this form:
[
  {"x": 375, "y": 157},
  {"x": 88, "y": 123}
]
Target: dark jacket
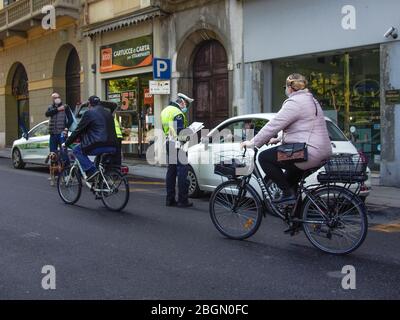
[
  {"x": 96, "y": 129},
  {"x": 52, "y": 112}
]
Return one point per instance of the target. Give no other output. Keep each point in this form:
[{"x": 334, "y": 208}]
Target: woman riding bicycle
[{"x": 302, "y": 121}]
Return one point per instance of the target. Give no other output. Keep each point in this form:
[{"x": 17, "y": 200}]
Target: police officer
[
  {"x": 173, "y": 121},
  {"x": 118, "y": 132}
]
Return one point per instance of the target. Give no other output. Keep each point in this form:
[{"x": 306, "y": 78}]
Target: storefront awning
[{"x": 126, "y": 21}]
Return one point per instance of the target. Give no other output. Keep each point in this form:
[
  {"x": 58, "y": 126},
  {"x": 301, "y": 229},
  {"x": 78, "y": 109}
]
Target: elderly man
[{"x": 60, "y": 120}]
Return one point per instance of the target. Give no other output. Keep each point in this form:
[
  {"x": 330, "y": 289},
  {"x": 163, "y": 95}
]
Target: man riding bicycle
[{"x": 97, "y": 136}]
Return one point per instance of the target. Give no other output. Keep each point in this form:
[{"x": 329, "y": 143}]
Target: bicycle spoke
[
  {"x": 235, "y": 216},
  {"x": 345, "y": 228}
]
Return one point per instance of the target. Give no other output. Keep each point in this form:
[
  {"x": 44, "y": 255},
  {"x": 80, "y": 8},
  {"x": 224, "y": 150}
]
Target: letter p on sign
[{"x": 161, "y": 69}]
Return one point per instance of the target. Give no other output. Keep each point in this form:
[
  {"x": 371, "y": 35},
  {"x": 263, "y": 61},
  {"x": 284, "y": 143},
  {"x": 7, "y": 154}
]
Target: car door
[
  {"x": 224, "y": 145},
  {"x": 36, "y": 147}
]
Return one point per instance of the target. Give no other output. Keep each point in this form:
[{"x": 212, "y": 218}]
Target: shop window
[
  {"x": 348, "y": 87},
  {"x": 135, "y": 111}
]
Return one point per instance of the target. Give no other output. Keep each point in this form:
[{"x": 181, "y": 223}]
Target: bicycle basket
[
  {"x": 344, "y": 168},
  {"x": 228, "y": 164}
]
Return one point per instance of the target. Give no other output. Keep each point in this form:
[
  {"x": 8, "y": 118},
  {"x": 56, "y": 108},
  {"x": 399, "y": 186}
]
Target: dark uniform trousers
[{"x": 177, "y": 167}]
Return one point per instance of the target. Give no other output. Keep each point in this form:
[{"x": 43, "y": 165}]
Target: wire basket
[
  {"x": 345, "y": 168},
  {"x": 232, "y": 164}
]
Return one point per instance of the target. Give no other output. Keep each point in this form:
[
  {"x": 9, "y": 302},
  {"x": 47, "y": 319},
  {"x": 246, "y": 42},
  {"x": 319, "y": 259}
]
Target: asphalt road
[{"x": 150, "y": 252}]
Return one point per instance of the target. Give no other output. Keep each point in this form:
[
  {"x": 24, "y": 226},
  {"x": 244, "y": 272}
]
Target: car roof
[{"x": 264, "y": 116}]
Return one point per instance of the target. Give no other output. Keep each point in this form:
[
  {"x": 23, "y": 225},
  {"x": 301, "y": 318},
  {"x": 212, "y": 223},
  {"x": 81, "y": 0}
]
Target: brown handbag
[{"x": 294, "y": 152}]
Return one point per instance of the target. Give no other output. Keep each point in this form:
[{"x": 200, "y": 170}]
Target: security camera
[{"x": 392, "y": 32}]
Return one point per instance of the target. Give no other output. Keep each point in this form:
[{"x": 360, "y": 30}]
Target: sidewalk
[{"x": 379, "y": 196}]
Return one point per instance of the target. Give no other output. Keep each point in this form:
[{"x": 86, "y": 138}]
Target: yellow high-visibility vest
[
  {"x": 167, "y": 119},
  {"x": 117, "y": 126}
]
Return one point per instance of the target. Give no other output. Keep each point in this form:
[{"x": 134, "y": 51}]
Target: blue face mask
[{"x": 184, "y": 110}]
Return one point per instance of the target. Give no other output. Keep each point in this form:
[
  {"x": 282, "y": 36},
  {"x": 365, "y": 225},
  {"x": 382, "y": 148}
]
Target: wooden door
[
  {"x": 73, "y": 80},
  {"x": 210, "y": 84}
]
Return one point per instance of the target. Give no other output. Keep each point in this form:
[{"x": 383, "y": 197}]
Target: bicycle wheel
[
  {"x": 236, "y": 222},
  {"x": 115, "y": 190},
  {"x": 69, "y": 185},
  {"x": 345, "y": 227}
]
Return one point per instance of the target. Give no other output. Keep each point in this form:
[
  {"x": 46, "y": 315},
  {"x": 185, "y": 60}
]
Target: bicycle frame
[
  {"x": 77, "y": 165},
  {"x": 267, "y": 197}
]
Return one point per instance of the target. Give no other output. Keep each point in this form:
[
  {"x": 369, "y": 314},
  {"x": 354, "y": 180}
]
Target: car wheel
[
  {"x": 194, "y": 190},
  {"x": 17, "y": 159}
]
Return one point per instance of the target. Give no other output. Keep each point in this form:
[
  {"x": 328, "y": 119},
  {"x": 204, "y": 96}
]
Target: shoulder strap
[{"x": 316, "y": 114}]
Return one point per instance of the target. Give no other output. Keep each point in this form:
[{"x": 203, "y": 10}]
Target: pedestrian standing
[{"x": 60, "y": 120}]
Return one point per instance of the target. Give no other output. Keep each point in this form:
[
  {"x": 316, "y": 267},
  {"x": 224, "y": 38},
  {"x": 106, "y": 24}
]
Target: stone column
[
  {"x": 254, "y": 87},
  {"x": 390, "y": 115}
]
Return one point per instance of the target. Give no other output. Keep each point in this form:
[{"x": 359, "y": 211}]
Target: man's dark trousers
[{"x": 177, "y": 167}]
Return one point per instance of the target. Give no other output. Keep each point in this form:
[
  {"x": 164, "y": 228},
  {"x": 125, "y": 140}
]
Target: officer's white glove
[{"x": 183, "y": 139}]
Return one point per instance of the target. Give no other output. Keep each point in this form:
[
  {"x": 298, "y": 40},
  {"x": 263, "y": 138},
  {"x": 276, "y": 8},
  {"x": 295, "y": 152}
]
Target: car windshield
[
  {"x": 335, "y": 134},
  {"x": 40, "y": 130}
]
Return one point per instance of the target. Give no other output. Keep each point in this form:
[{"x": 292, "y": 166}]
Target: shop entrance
[
  {"x": 135, "y": 112},
  {"x": 210, "y": 84}
]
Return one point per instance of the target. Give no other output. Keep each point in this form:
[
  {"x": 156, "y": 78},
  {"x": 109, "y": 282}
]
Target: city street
[{"x": 152, "y": 252}]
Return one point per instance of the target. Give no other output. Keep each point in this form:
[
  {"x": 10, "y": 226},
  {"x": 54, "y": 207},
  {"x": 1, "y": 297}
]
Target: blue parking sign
[{"x": 161, "y": 69}]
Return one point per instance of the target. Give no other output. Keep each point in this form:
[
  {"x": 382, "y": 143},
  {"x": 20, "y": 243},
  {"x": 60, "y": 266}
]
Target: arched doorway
[
  {"x": 66, "y": 74},
  {"x": 210, "y": 84},
  {"x": 72, "y": 79},
  {"x": 20, "y": 97}
]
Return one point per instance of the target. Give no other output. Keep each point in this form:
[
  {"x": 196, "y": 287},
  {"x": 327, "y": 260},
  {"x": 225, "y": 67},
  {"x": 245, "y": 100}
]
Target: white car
[
  {"x": 33, "y": 147},
  {"x": 204, "y": 155}
]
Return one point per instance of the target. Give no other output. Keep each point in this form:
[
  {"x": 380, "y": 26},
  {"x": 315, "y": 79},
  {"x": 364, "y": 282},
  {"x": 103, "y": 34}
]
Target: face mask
[
  {"x": 185, "y": 109},
  {"x": 57, "y": 101}
]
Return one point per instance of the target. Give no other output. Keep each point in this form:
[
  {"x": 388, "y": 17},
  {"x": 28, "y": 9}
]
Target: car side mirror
[{"x": 25, "y": 135}]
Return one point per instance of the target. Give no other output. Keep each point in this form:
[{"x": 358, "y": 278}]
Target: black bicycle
[{"x": 332, "y": 216}]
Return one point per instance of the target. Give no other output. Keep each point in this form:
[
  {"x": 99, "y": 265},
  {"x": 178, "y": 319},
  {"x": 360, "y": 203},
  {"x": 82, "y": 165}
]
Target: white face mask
[{"x": 57, "y": 101}]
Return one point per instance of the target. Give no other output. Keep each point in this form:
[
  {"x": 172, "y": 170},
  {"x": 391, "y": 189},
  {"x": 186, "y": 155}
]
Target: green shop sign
[{"x": 127, "y": 54}]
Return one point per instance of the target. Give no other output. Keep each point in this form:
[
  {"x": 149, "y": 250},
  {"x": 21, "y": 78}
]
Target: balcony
[{"x": 20, "y": 16}]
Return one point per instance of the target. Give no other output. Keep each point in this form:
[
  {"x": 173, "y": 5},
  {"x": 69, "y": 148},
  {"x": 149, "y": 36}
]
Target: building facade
[
  {"x": 203, "y": 41},
  {"x": 349, "y": 58},
  {"x": 34, "y": 62}
]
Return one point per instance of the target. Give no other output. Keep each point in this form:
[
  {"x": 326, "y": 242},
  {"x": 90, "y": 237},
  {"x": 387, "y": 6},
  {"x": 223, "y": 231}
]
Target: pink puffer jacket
[{"x": 299, "y": 123}]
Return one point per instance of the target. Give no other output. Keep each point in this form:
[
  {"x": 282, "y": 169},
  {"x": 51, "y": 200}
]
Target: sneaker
[
  {"x": 171, "y": 203},
  {"x": 294, "y": 228}
]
